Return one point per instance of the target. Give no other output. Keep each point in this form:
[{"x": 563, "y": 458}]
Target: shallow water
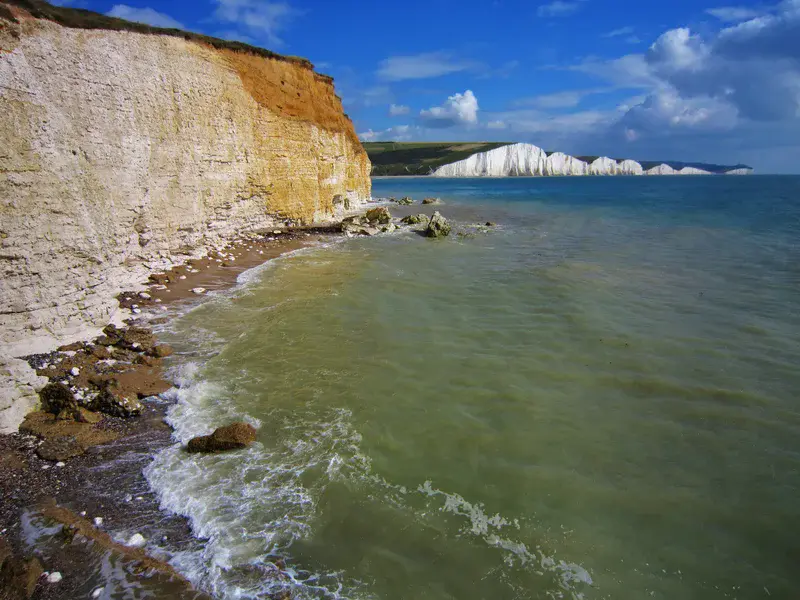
[{"x": 596, "y": 399}]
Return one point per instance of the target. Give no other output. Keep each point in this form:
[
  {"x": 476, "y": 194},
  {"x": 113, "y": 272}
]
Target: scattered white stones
[
  {"x": 198, "y": 290},
  {"x": 45, "y": 467},
  {"x": 137, "y": 311},
  {"x": 137, "y": 541},
  {"x": 97, "y": 592},
  {"x": 83, "y": 513},
  {"x": 158, "y": 300},
  {"x": 98, "y": 521},
  {"x": 60, "y": 464},
  {"x": 277, "y": 232},
  {"x": 75, "y": 371},
  {"x": 182, "y": 277},
  {"x": 136, "y": 345},
  {"x": 144, "y": 296},
  {"x": 54, "y": 577}
]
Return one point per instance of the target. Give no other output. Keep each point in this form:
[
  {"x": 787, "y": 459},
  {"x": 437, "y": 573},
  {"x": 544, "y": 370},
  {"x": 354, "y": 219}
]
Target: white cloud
[
  {"x": 399, "y": 133},
  {"x": 559, "y": 8},
  {"x": 458, "y": 109},
  {"x": 618, "y": 32},
  {"x": 420, "y": 66},
  {"x": 733, "y": 14},
  {"x": 733, "y": 95},
  {"x": 396, "y": 110},
  {"x": 144, "y": 15},
  {"x": 567, "y": 99},
  {"x": 258, "y": 19}
]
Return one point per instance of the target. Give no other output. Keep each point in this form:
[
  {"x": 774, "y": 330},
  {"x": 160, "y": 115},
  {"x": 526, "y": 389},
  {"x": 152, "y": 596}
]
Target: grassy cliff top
[
  {"x": 420, "y": 158},
  {"x": 78, "y": 18}
]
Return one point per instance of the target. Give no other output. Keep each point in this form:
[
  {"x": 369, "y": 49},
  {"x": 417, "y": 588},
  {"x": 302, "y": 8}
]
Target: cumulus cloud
[
  {"x": 256, "y": 19},
  {"x": 148, "y": 16},
  {"x": 421, "y": 66},
  {"x": 396, "y": 110},
  {"x": 458, "y": 109},
  {"x": 747, "y": 73}
]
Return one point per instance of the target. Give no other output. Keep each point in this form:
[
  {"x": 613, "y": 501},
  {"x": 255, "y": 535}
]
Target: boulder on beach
[
  {"x": 431, "y": 201},
  {"x": 419, "y": 219},
  {"x": 380, "y": 215},
  {"x": 230, "y": 437},
  {"x": 116, "y": 401},
  {"x": 405, "y": 201},
  {"x": 57, "y": 397},
  {"x": 438, "y": 226}
]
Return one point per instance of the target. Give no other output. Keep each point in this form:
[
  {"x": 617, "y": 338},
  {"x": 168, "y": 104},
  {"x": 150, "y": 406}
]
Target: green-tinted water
[{"x": 596, "y": 399}]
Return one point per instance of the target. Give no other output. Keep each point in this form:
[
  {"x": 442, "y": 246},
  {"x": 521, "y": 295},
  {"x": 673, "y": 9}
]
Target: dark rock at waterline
[
  {"x": 18, "y": 578},
  {"x": 161, "y": 351},
  {"x": 490, "y": 224},
  {"x": 438, "y": 226},
  {"x": 432, "y": 201},
  {"x": 380, "y": 215},
  {"x": 56, "y": 397},
  {"x": 419, "y": 219},
  {"x": 231, "y": 437}
]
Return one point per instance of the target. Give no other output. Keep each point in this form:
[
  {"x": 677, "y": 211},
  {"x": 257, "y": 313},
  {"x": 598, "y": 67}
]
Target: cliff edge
[{"x": 126, "y": 149}]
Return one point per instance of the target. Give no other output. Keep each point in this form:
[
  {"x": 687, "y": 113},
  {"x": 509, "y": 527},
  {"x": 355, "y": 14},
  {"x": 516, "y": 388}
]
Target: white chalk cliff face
[
  {"x": 527, "y": 160},
  {"x": 123, "y": 153}
]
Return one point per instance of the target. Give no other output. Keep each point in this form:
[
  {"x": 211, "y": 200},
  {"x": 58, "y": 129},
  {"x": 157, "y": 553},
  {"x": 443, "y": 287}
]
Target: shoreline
[{"x": 106, "y": 481}]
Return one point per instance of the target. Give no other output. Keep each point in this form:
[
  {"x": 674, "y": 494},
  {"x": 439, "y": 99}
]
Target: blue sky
[{"x": 687, "y": 80}]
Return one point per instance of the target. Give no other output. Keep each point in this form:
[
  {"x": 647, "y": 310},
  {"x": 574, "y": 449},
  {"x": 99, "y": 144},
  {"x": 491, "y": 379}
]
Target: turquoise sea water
[{"x": 596, "y": 399}]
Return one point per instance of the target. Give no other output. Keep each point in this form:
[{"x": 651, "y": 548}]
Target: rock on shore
[{"x": 230, "y": 437}]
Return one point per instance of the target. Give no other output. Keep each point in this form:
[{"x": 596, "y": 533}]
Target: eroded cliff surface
[{"x": 121, "y": 152}]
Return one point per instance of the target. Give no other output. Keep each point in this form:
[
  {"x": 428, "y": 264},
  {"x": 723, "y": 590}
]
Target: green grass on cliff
[
  {"x": 78, "y": 18},
  {"x": 420, "y": 158}
]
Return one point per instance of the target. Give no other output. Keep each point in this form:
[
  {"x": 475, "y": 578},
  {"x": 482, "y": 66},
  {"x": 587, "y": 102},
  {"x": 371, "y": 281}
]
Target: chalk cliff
[
  {"x": 121, "y": 152},
  {"x": 531, "y": 161}
]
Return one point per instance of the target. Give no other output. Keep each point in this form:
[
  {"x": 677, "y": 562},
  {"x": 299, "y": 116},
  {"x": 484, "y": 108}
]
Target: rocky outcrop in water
[
  {"x": 438, "y": 226},
  {"x": 231, "y": 437}
]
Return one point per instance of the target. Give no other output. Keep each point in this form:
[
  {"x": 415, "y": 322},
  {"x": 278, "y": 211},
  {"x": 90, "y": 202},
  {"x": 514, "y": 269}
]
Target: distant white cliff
[
  {"x": 744, "y": 171},
  {"x": 527, "y": 160}
]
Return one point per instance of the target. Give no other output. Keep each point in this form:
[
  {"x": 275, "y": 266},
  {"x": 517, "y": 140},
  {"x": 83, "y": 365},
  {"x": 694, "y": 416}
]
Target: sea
[{"x": 597, "y": 397}]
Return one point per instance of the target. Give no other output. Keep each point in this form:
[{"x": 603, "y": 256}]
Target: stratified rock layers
[{"x": 121, "y": 152}]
